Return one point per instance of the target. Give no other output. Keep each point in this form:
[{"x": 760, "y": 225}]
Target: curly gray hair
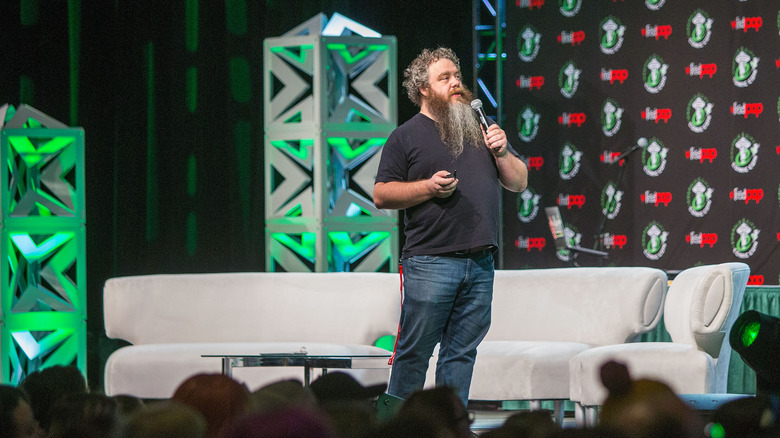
[{"x": 416, "y": 75}]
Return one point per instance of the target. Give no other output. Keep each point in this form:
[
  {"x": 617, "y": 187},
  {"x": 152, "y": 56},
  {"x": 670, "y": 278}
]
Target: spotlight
[{"x": 756, "y": 337}]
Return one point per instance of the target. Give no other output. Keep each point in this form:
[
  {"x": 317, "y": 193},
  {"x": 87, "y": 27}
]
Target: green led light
[
  {"x": 350, "y": 58},
  {"x": 343, "y": 147},
  {"x": 301, "y": 152},
  {"x": 386, "y": 342},
  {"x": 299, "y": 57},
  {"x": 33, "y": 154},
  {"x": 34, "y": 252},
  {"x": 303, "y": 247},
  {"x": 750, "y": 333},
  {"x": 717, "y": 431},
  {"x": 344, "y": 245}
]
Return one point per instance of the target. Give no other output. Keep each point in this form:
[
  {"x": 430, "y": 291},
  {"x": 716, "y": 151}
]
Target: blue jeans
[{"x": 445, "y": 300}]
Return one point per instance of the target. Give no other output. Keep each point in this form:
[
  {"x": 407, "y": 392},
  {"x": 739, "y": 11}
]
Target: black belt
[{"x": 471, "y": 252}]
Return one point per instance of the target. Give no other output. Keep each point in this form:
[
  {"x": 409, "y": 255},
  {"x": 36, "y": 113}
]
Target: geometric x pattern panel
[
  {"x": 330, "y": 105},
  {"x": 42, "y": 241}
]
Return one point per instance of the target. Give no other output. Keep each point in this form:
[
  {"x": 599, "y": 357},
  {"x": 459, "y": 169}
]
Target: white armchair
[{"x": 701, "y": 306}]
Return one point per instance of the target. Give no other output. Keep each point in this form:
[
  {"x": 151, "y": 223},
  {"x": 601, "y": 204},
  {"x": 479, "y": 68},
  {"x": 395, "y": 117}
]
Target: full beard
[{"x": 456, "y": 122}]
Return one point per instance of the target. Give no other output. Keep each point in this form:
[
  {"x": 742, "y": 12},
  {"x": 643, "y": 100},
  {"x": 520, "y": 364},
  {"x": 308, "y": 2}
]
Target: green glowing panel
[
  {"x": 297, "y": 54},
  {"x": 750, "y": 333},
  {"x": 300, "y": 149},
  {"x": 236, "y": 16},
  {"x": 351, "y": 149},
  {"x": 349, "y": 248},
  {"x": 357, "y": 53},
  {"x": 43, "y": 242}
]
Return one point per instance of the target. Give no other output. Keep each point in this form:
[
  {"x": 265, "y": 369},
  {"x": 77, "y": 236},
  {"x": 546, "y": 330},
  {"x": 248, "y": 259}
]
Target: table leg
[{"x": 227, "y": 367}]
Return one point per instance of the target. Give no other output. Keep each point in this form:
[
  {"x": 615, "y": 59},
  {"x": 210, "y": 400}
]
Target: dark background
[{"x": 167, "y": 190}]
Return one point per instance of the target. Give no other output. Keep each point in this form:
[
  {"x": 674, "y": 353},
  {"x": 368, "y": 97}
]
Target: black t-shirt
[{"x": 470, "y": 217}]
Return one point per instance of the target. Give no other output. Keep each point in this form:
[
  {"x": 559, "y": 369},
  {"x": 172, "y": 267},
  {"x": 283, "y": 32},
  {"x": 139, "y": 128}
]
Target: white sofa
[
  {"x": 701, "y": 306},
  {"x": 541, "y": 318},
  {"x": 544, "y": 317}
]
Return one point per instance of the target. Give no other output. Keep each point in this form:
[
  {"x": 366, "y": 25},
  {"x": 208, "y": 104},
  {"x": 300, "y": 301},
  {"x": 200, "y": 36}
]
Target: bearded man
[{"x": 446, "y": 173}]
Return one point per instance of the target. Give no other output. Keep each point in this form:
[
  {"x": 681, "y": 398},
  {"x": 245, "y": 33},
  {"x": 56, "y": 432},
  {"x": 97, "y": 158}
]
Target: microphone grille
[{"x": 476, "y": 104}]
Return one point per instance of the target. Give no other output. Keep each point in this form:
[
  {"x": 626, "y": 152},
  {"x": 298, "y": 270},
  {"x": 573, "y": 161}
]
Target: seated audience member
[
  {"x": 282, "y": 394},
  {"x": 442, "y": 406},
  {"x": 16, "y": 415},
  {"x": 128, "y": 404},
  {"x": 84, "y": 415},
  {"x": 532, "y": 424},
  {"x": 284, "y": 422},
  {"x": 46, "y": 386},
  {"x": 644, "y": 408},
  {"x": 348, "y": 404},
  {"x": 217, "y": 397},
  {"x": 166, "y": 419}
]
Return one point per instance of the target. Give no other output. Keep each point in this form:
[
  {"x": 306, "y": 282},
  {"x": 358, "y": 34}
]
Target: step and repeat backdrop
[{"x": 654, "y": 126}]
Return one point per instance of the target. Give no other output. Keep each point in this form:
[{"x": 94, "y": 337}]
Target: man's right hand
[{"x": 442, "y": 185}]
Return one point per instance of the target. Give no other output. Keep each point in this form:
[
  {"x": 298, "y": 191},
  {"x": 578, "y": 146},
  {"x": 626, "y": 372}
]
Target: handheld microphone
[
  {"x": 640, "y": 144},
  {"x": 476, "y": 105}
]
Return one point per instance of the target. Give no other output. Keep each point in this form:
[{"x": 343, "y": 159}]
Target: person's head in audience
[
  {"x": 166, "y": 419},
  {"x": 284, "y": 422},
  {"x": 413, "y": 424},
  {"x": 128, "y": 404},
  {"x": 46, "y": 386},
  {"x": 84, "y": 416},
  {"x": 441, "y": 405},
  {"x": 531, "y": 424},
  {"x": 217, "y": 397},
  {"x": 280, "y": 394},
  {"x": 644, "y": 407},
  {"x": 348, "y": 403},
  {"x": 16, "y": 415}
]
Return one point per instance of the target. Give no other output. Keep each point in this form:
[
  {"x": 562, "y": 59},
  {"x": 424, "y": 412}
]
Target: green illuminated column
[
  {"x": 43, "y": 244},
  {"x": 330, "y": 103}
]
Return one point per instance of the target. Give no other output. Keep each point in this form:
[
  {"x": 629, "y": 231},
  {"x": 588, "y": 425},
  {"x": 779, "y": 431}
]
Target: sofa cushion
[{"x": 156, "y": 370}]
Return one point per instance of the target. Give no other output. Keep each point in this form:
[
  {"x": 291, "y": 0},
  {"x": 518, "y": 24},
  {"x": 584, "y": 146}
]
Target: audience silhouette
[{"x": 55, "y": 403}]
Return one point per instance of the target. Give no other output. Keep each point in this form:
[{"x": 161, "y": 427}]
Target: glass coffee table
[{"x": 304, "y": 360}]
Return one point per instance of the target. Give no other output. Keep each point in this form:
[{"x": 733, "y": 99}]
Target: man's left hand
[{"x": 495, "y": 139}]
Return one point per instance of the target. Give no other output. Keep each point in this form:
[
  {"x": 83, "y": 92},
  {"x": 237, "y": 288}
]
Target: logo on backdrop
[
  {"x": 529, "y": 243},
  {"x": 612, "y": 75},
  {"x": 701, "y": 70},
  {"x": 611, "y": 117},
  {"x": 744, "y": 239},
  {"x": 744, "y": 67},
  {"x": 611, "y": 200},
  {"x": 744, "y": 153},
  {"x": 569, "y": 8},
  {"x": 699, "y": 29},
  {"x": 699, "y": 197},
  {"x": 573, "y": 237},
  {"x": 528, "y": 123},
  {"x": 569, "y": 201},
  {"x": 657, "y": 31},
  {"x": 611, "y": 35},
  {"x": 528, "y": 43},
  {"x": 654, "y": 5},
  {"x": 654, "y": 240},
  {"x": 746, "y": 195},
  {"x": 654, "y": 158},
  {"x": 614, "y": 240},
  {"x": 530, "y": 82},
  {"x": 701, "y": 154},
  {"x": 528, "y": 205},
  {"x": 654, "y": 74},
  {"x": 746, "y": 23},
  {"x": 699, "y": 113},
  {"x": 656, "y": 198},
  {"x": 569, "y": 161},
  {"x": 701, "y": 239},
  {"x": 746, "y": 109},
  {"x": 569, "y": 79}
]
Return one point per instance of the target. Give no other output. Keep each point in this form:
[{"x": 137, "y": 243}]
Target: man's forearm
[
  {"x": 398, "y": 195},
  {"x": 512, "y": 172}
]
